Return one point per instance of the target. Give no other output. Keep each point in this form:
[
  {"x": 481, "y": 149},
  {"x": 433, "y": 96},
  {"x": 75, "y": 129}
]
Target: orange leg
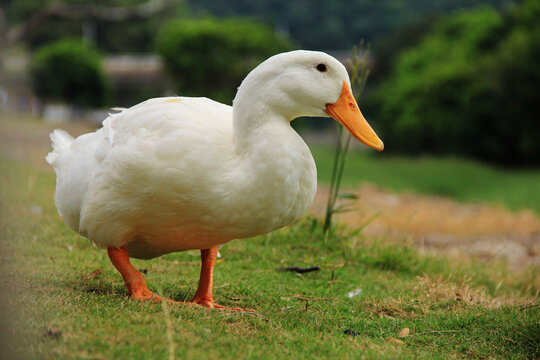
[
  {"x": 135, "y": 283},
  {"x": 204, "y": 296}
]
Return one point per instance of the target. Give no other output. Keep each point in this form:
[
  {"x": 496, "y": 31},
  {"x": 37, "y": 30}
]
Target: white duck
[{"x": 176, "y": 173}]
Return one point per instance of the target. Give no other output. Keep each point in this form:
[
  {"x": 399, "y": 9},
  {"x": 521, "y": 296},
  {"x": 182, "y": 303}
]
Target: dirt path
[
  {"x": 445, "y": 226},
  {"x": 431, "y": 223}
]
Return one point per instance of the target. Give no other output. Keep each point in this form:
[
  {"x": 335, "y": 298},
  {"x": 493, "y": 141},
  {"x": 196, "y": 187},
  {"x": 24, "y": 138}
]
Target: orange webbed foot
[
  {"x": 209, "y": 303},
  {"x": 145, "y": 295},
  {"x": 134, "y": 280}
]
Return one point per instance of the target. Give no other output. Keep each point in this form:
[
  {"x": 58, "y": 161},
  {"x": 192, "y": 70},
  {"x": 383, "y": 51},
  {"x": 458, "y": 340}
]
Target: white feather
[{"x": 61, "y": 140}]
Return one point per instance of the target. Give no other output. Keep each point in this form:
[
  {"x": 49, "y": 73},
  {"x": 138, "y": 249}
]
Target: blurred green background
[
  {"x": 453, "y": 91},
  {"x": 449, "y": 77}
]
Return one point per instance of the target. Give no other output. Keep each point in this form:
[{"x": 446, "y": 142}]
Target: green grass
[
  {"x": 460, "y": 179},
  {"x": 460, "y": 310}
]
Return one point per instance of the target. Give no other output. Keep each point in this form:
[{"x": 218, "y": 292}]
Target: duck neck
[{"x": 257, "y": 126}]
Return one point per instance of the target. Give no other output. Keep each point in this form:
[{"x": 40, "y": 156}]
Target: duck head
[{"x": 307, "y": 83}]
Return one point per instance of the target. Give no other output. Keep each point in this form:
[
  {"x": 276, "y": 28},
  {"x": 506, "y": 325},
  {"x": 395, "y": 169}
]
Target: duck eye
[{"x": 322, "y": 68}]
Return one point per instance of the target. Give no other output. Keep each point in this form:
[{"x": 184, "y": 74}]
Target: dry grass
[
  {"x": 445, "y": 226},
  {"x": 435, "y": 295},
  {"x": 436, "y": 290},
  {"x": 420, "y": 214}
]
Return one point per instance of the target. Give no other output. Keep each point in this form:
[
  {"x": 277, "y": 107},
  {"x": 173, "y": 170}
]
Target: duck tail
[{"x": 61, "y": 140}]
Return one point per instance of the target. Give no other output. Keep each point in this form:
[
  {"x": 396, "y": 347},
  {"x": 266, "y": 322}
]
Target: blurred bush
[
  {"x": 469, "y": 87},
  {"x": 211, "y": 57},
  {"x": 70, "y": 71}
]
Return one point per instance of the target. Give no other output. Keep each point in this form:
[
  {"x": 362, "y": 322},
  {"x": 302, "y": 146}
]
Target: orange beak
[{"x": 346, "y": 111}]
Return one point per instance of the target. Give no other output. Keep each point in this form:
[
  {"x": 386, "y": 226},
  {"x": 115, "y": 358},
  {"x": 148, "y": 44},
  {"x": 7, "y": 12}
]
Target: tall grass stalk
[
  {"x": 169, "y": 327},
  {"x": 359, "y": 76}
]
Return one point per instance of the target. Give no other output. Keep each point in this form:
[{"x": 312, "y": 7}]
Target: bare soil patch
[{"x": 487, "y": 232}]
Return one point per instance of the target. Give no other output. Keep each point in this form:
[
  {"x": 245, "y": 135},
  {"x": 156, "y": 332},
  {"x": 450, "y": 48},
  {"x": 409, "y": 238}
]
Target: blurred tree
[
  {"x": 337, "y": 24},
  {"x": 468, "y": 87},
  {"x": 70, "y": 71},
  {"x": 515, "y": 86},
  {"x": 211, "y": 57},
  {"x": 118, "y": 25},
  {"x": 315, "y": 24},
  {"x": 388, "y": 47}
]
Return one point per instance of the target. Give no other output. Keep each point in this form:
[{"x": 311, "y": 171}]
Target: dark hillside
[{"x": 323, "y": 25}]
